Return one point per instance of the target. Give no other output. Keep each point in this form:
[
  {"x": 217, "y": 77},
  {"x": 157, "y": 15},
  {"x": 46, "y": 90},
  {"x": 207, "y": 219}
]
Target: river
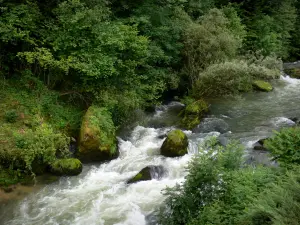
[{"x": 100, "y": 194}]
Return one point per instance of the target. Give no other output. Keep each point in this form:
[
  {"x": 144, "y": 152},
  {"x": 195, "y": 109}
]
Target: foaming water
[{"x": 101, "y": 195}]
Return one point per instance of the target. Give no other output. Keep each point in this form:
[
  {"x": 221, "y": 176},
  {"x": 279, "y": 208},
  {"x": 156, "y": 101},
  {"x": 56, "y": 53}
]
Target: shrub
[
  {"x": 204, "y": 183},
  {"x": 39, "y": 147},
  {"x": 11, "y": 116},
  {"x": 230, "y": 78},
  {"x": 284, "y": 146},
  {"x": 217, "y": 189},
  {"x": 279, "y": 204},
  {"x": 215, "y": 39}
]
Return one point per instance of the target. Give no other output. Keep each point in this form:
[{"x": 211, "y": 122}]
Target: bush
[
  {"x": 29, "y": 148},
  {"x": 217, "y": 189},
  {"x": 215, "y": 39},
  {"x": 203, "y": 184},
  {"x": 284, "y": 146},
  {"x": 279, "y": 204},
  {"x": 230, "y": 78},
  {"x": 11, "y": 116}
]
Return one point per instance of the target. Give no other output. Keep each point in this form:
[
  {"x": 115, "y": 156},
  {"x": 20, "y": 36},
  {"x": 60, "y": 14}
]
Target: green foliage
[
  {"x": 33, "y": 103},
  {"x": 204, "y": 183},
  {"x": 279, "y": 204},
  {"x": 217, "y": 189},
  {"x": 284, "y": 146},
  {"x": 42, "y": 144},
  {"x": 10, "y": 177},
  {"x": 215, "y": 39},
  {"x": 242, "y": 187},
  {"x": 66, "y": 167},
  {"x": 270, "y": 25},
  {"x": 11, "y": 116},
  {"x": 231, "y": 78}
]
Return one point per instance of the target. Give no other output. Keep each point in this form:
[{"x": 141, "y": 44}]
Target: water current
[{"x": 101, "y": 195}]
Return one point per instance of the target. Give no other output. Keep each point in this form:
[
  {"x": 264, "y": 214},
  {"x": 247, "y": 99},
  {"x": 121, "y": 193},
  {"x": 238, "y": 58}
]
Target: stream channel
[{"x": 101, "y": 195}]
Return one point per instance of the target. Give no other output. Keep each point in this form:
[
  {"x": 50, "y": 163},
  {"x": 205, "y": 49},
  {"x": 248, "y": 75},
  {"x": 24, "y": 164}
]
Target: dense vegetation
[
  {"x": 59, "y": 57},
  {"x": 221, "y": 189}
]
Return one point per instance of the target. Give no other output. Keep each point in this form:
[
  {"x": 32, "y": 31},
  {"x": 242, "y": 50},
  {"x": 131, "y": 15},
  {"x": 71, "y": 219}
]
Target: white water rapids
[{"x": 101, "y": 195}]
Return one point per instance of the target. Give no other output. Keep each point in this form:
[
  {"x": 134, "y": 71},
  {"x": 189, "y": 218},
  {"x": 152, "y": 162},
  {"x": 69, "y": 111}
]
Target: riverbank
[{"x": 102, "y": 188}]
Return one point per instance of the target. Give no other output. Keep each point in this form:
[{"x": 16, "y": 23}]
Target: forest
[{"x": 75, "y": 69}]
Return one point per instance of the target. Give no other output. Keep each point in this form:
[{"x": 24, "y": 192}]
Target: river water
[{"x": 101, "y": 195}]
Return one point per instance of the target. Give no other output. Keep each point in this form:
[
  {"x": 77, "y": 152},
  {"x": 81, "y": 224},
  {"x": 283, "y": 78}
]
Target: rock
[
  {"x": 262, "y": 86},
  {"x": 97, "y": 141},
  {"x": 162, "y": 136},
  {"x": 295, "y": 120},
  {"x": 193, "y": 113},
  {"x": 223, "y": 141},
  {"x": 259, "y": 145},
  {"x": 68, "y": 167},
  {"x": 175, "y": 144},
  {"x": 148, "y": 173},
  {"x": 294, "y": 73},
  {"x": 212, "y": 125},
  {"x": 262, "y": 141}
]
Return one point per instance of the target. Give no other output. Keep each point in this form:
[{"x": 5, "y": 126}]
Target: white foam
[
  {"x": 102, "y": 196},
  {"x": 290, "y": 80}
]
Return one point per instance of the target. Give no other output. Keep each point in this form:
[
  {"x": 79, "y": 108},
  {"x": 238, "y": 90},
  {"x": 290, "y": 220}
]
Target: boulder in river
[
  {"x": 193, "y": 113},
  {"x": 261, "y": 85},
  {"x": 97, "y": 140},
  {"x": 67, "y": 167},
  {"x": 259, "y": 145},
  {"x": 148, "y": 173},
  {"x": 176, "y": 144}
]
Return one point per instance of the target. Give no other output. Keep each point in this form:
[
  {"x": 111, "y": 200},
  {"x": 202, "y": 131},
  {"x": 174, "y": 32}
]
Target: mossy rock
[
  {"x": 262, "y": 86},
  {"x": 97, "y": 141},
  {"x": 68, "y": 167},
  {"x": 143, "y": 175},
  {"x": 146, "y": 174},
  {"x": 193, "y": 113},
  {"x": 175, "y": 145}
]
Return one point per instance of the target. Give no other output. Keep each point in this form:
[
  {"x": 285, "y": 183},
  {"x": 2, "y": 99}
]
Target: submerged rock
[
  {"x": 68, "y": 167},
  {"x": 148, "y": 173},
  {"x": 175, "y": 144},
  {"x": 212, "y": 125},
  {"x": 193, "y": 113},
  {"x": 97, "y": 140},
  {"x": 262, "y": 86}
]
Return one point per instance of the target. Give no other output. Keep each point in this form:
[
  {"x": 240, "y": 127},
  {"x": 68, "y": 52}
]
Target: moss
[
  {"x": 193, "y": 113},
  {"x": 11, "y": 177},
  {"x": 175, "y": 144},
  {"x": 262, "y": 86},
  {"x": 70, "y": 167},
  {"x": 143, "y": 175},
  {"x": 97, "y": 136}
]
